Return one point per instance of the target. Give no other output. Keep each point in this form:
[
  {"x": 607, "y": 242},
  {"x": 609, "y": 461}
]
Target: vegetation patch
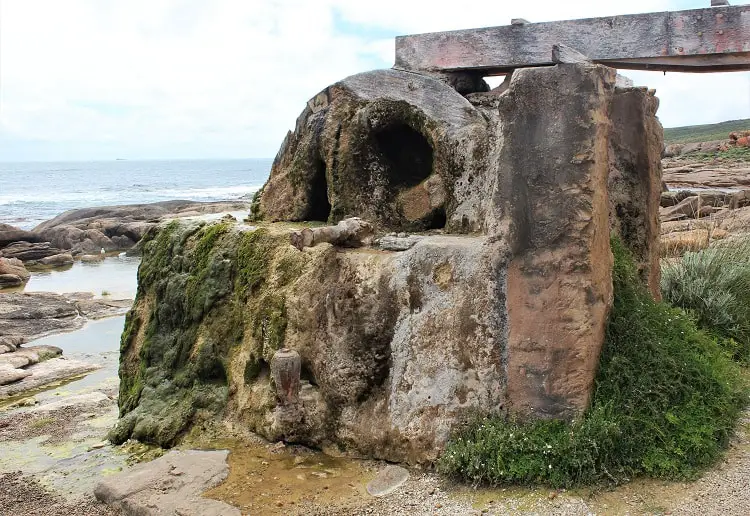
[
  {"x": 704, "y": 133},
  {"x": 665, "y": 403},
  {"x": 713, "y": 285},
  {"x": 731, "y": 154}
]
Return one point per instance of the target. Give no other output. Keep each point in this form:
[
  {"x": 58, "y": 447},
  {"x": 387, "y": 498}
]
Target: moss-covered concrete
[{"x": 205, "y": 292}]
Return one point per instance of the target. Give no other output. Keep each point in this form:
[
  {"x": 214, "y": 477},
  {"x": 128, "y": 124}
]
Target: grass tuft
[
  {"x": 665, "y": 403},
  {"x": 713, "y": 285}
]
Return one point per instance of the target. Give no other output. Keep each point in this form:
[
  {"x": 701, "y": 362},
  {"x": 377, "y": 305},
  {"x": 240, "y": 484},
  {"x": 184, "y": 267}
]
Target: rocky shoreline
[
  {"x": 87, "y": 234},
  {"x": 80, "y": 419}
]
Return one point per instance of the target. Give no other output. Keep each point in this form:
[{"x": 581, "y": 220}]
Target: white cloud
[{"x": 193, "y": 78}]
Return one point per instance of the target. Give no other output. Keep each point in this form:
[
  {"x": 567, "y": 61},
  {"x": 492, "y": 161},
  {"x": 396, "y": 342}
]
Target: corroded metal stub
[{"x": 286, "y": 367}]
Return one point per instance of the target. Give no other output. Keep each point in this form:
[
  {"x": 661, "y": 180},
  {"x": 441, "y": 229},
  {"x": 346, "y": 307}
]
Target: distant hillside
[{"x": 704, "y": 133}]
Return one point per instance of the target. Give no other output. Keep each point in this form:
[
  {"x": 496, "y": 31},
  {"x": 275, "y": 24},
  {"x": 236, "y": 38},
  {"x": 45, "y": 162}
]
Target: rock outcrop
[
  {"x": 172, "y": 484},
  {"x": 87, "y": 231},
  {"x": 32, "y": 315},
  {"x": 10, "y": 234},
  {"x": 13, "y": 273},
  {"x": 500, "y": 306},
  {"x": 114, "y": 228}
]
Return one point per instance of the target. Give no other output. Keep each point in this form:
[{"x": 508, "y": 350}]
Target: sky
[{"x": 161, "y": 79}]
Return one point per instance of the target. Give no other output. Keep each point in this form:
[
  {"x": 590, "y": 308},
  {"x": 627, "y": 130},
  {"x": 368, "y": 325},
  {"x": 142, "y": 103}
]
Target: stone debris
[
  {"x": 387, "y": 481},
  {"x": 153, "y": 488}
]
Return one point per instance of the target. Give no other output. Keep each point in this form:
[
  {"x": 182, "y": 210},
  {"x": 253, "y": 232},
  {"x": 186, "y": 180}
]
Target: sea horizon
[{"x": 32, "y": 192}]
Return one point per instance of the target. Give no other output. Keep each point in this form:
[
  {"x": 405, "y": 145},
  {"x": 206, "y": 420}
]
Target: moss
[
  {"x": 256, "y": 212},
  {"x": 270, "y": 323},
  {"x": 665, "y": 403},
  {"x": 132, "y": 325},
  {"x": 207, "y": 239},
  {"x": 42, "y": 422},
  {"x": 252, "y": 261},
  {"x": 207, "y": 290},
  {"x": 289, "y": 268},
  {"x": 158, "y": 244}
]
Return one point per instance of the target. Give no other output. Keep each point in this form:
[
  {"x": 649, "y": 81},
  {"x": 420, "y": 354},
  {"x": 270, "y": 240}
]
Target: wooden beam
[
  {"x": 699, "y": 40},
  {"x": 565, "y": 54}
]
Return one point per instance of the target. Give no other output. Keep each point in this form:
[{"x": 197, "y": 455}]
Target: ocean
[{"x": 32, "y": 192}]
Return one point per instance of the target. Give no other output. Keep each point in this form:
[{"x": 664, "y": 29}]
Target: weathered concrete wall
[
  {"x": 555, "y": 158},
  {"x": 500, "y": 307},
  {"x": 395, "y": 348},
  {"x": 636, "y": 143}
]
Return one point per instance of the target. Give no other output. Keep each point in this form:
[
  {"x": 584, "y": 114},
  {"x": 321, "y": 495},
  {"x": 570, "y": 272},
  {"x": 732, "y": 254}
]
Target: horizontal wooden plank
[
  {"x": 565, "y": 54},
  {"x": 699, "y": 40}
]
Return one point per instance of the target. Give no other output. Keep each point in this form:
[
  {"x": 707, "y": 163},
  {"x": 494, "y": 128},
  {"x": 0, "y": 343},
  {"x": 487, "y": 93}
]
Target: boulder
[
  {"x": 702, "y": 147},
  {"x": 30, "y": 252},
  {"x": 57, "y": 260},
  {"x": 34, "y": 315},
  {"x": 79, "y": 402},
  {"x": 14, "y": 267},
  {"x": 10, "y": 281},
  {"x": 45, "y": 373},
  {"x": 10, "y": 374},
  {"x": 688, "y": 208},
  {"x": 387, "y": 480},
  {"x": 9, "y": 343},
  {"x": 10, "y": 234},
  {"x": 92, "y": 258},
  {"x": 171, "y": 484},
  {"x": 672, "y": 150},
  {"x": 31, "y": 315},
  {"x": 23, "y": 357}
]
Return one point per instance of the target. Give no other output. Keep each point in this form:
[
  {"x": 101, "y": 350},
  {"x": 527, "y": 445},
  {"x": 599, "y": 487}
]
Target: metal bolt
[
  {"x": 721, "y": 33},
  {"x": 700, "y": 33}
]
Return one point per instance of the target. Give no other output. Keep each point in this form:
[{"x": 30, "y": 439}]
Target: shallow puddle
[
  {"x": 264, "y": 481},
  {"x": 114, "y": 276}
]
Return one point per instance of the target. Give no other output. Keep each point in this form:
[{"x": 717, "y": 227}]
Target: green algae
[{"x": 204, "y": 292}]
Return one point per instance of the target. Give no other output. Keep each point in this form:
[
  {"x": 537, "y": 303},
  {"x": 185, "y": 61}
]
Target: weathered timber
[
  {"x": 719, "y": 3},
  {"x": 700, "y": 40},
  {"x": 351, "y": 232},
  {"x": 565, "y": 54}
]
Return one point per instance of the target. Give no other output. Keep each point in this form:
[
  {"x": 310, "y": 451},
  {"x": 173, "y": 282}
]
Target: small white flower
[{"x": 550, "y": 466}]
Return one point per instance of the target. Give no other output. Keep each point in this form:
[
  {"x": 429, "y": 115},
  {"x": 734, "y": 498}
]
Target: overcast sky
[{"x": 105, "y": 79}]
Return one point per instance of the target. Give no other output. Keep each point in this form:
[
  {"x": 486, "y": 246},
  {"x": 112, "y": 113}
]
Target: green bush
[
  {"x": 665, "y": 402},
  {"x": 713, "y": 285}
]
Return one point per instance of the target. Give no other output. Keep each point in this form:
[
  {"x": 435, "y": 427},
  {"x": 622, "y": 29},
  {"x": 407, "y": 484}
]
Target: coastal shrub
[
  {"x": 713, "y": 285},
  {"x": 665, "y": 402}
]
